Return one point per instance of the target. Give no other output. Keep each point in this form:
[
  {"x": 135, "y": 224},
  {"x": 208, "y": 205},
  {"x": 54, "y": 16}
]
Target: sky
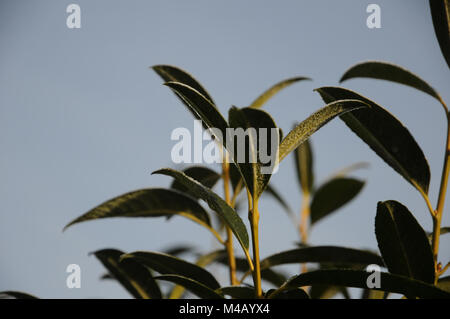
[{"x": 84, "y": 119}]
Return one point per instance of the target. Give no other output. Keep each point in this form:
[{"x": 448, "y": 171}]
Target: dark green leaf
[
  {"x": 326, "y": 291},
  {"x": 204, "y": 175},
  {"x": 166, "y": 264},
  {"x": 444, "y": 283},
  {"x": 238, "y": 292},
  {"x": 249, "y": 161},
  {"x": 358, "y": 279},
  {"x": 389, "y": 72},
  {"x": 263, "y": 98},
  {"x": 215, "y": 202},
  {"x": 403, "y": 243},
  {"x": 133, "y": 276},
  {"x": 270, "y": 190},
  {"x": 304, "y": 166},
  {"x": 296, "y": 293},
  {"x": 315, "y": 121},
  {"x": 178, "y": 250},
  {"x": 333, "y": 195},
  {"x": 386, "y": 136},
  {"x": 321, "y": 254},
  {"x": 192, "y": 285},
  {"x": 173, "y": 74},
  {"x": 16, "y": 295},
  {"x": 151, "y": 202},
  {"x": 440, "y": 12}
]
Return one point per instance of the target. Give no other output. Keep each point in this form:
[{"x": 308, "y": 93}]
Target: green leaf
[
  {"x": 215, "y": 202},
  {"x": 326, "y": 291},
  {"x": 192, "y": 285},
  {"x": 440, "y": 12},
  {"x": 295, "y": 293},
  {"x": 304, "y": 166},
  {"x": 16, "y": 295},
  {"x": 269, "y": 93},
  {"x": 204, "y": 175},
  {"x": 321, "y": 254},
  {"x": 403, "y": 243},
  {"x": 249, "y": 164},
  {"x": 151, "y": 202},
  {"x": 315, "y": 121},
  {"x": 171, "y": 73},
  {"x": 386, "y": 136},
  {"x": 133, "y": 276},
  {"x": 358, "y": 279},
  {"x": 166, "y": 264},
  {"x": 333, "y": 195},
  {"x": 389, "y": 72},
  {"x": 270, "y": 190},
  {"x": 444, "y": 283},
  {"x": 238, "y": 292},
  {"x": 178, "y": 250}
]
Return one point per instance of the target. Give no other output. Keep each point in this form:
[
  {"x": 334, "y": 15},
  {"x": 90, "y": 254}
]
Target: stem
[
  {"x": 303, "y": 226},
  {"x": 229, "y": 242},
  {"x": 437, "y": 218},
  {"x": 254, "y": 221}
]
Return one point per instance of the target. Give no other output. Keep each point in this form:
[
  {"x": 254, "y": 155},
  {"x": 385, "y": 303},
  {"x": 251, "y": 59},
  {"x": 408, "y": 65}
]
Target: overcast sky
[{"x": 83, "y": 119}]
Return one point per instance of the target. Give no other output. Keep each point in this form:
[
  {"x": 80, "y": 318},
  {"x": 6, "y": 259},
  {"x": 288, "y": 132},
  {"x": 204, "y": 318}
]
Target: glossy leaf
[
  {"x": 215, "y": 202},
  {"x": 440, "y": 12},
  {"x": 166, "y": 264},
  {"x": 315, "y": 121},
  {"x": 151, "y": 202},
  {"x": 386, "y": 136},
  {"x": 269, "y": 93},
  {"x": 171, "y": 73},
  {"x": 238, "y": 292},
  {"x": 304, "y": 166},
  {"x": 403, "y": 243},
  {"x": 321, "y": 254},
  {"x": 133, "y": 276},
  {"x": 196, "y": 287},
  {"x": 358, "y": 279},
  {"x": 390, "y": 72},
  {"x": 332, "y": 195},
  {"x": 204, "y": 175},
  {"x": 16, "y": 295},
  {"x": 249, "y": 163}
]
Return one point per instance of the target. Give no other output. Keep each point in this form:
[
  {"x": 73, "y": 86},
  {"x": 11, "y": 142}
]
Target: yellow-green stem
[
  {"x": 303, "y": 226},
  {"x": 437, "y": 218},
  {"x": 254, "y": 222},
  {"x": 229, "y": 241}
]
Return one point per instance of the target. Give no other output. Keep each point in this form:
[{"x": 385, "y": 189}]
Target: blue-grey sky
[{"x": 83, "y": 119}]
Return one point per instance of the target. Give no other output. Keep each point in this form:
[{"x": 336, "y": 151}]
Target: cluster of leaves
[{"x": 407, "y": 252}]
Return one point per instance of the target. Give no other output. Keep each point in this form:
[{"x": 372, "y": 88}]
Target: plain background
[{"x": 83, "y": 119}]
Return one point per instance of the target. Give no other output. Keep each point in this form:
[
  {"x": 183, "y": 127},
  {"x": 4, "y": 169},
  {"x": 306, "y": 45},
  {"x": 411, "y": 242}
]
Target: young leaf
[
  {"x": 192, "y": 285},
  {"x": 171, "y": 73},
  {"x": 133, "y": 276},
  {"x": 403, "y": 243},
  {"x": 304, "y": 166},
  {"x": 386, "y": 136},
  {"x": 440, "y": 12},
  {"x": 151, "y": 202},
  {"x": 389, "y": 72},
  {"x": 315, "y": 121},
  {"x": 269, "y": 93},
  {"x": 166, "y": 264},
  {"x": 215, "y": 202},
  {"x": 358, "y": 279},
  {"x": 238, "y": 292},
  {"x": 321, "y": 254},
  {"x": 204, "y": 175},
  {"x": 247, "y": 156},
  {"x": 333, "y": 195},
  {"x": 16, "y": 295}
]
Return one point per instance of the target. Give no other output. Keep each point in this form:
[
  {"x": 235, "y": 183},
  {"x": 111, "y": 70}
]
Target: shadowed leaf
[
  {"x": 204, "y": 175},
  {"x": 315, "y": 121},
  {"x": 295, "y": 293},
  {"x": 332, "y": 195},
  {"x": 386, "y": 136},
  {"x": 133, "y": 276},
  {"x": 16, "y": 295},
  {"x": 192, "y": 285},
  {"x": 166, "y": 264},
  {"x": 304, "y": 166},
  {"x": 238, "y": 292},
  {"x": 440, "y": 12},
  {"x": 270, "y": 190},
  {"x": 403, "y": 243},
  {"x": 444, "y": 283},
  {"x": 215, "y": 202},
  {"x": 269, "y": 93}
]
